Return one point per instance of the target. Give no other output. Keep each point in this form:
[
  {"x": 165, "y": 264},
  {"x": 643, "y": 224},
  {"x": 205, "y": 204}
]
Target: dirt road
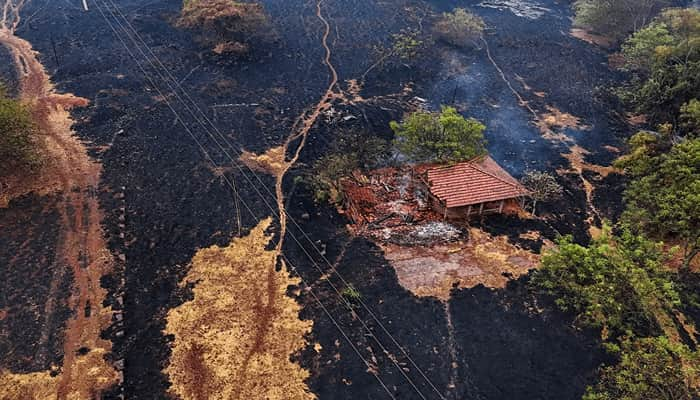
[{"x": 81, "y": 247}]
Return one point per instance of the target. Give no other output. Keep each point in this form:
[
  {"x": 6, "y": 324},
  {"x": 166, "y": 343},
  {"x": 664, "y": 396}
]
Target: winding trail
[
  {"x": 576, "y": 155},
  {"x": 293, "y": 145},
  {"x": 81, "y": 246},
  {"x": 302, "y": 126}
]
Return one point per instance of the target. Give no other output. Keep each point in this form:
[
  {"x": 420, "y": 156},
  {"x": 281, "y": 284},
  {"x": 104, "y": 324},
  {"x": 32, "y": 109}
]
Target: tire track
[{"x": 82, "y": 248}]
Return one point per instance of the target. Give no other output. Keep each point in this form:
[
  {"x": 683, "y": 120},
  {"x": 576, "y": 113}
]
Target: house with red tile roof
[{"x": 476, "y": 187}]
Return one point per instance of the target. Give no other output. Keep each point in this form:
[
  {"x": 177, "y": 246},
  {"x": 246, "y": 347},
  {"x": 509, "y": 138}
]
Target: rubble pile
[{"x": 388, "y": 206}]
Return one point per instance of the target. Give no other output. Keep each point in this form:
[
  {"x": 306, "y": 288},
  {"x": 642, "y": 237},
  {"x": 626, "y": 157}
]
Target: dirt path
[
  {"x": 275, "y": 162},
  {"x": 303, "y": 125},
  {"x": 81, "y": 244},
  {"x": 576, "y": 154}
]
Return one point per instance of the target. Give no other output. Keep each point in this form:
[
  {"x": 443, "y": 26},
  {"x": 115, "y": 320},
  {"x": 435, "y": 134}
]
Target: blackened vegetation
[
  {"x": 417, "y": 324},
  {"x": 229, "y": 28},
  {"x": 34, "y": 286},
  {"x": 608, "y": 194},
  {"x": 163, "y": 201},
  {"x": 506, "y": 346},
  {"x": 509, "y": 344}
]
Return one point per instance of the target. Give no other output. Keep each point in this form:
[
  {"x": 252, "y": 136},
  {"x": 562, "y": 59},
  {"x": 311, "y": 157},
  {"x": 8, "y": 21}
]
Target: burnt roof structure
[{"x": 477, "y": 181}]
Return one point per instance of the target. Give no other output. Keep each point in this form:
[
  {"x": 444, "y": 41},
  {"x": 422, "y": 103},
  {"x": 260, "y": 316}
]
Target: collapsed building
[
  {"x": 432, "y": 192},
  {"x": 419, "y": 216}
]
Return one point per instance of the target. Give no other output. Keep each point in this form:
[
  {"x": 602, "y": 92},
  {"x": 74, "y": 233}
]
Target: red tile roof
[{"x": 473, "y": 182}]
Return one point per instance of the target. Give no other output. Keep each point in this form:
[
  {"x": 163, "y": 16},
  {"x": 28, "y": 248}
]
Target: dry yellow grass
[
  {"x": 271, "y": 162},
  {"x": 235, "y": 338},
  {"x": 37, "y": 385}
]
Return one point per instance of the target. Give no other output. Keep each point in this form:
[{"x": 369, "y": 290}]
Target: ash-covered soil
[
  {"x": 163, "y": 200},
  {"x": 34, "y": 287}
]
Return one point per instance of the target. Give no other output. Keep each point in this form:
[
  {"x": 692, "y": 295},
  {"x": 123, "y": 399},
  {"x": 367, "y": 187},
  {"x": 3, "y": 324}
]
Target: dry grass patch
[{"x": 235, "y": 338}]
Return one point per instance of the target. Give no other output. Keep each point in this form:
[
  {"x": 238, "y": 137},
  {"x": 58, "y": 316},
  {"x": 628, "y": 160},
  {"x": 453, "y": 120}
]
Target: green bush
[
  {"x": 443, "y": 136},
  {"x": 351, "y": 151},
  {"x": 663, "y": 195},
  {"x": 619, "y": 285},
  {"x": 18, "y": 136},
  {"x": 460, "y": 28},
  {"x": 351, "y": 294},
  {"x": 663, "y": 60},
  {"x": 617, "y": 18},
  {"x": 648, "y": 369}
]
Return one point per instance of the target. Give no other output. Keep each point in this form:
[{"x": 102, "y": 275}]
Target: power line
[
  {"x": 204, "y": 117},
  {"x": 268, "y": 191},
  {"x": 172, "y": 109}
]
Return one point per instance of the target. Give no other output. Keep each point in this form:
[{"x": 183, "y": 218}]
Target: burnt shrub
[{"x": 228, "y": 27}]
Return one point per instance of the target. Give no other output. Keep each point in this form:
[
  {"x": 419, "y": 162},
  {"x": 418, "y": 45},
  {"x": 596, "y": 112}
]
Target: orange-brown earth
[
  {"x": 245, "y": 353},
  {"x": 235, "y": 338},
  {"x": 591, "y": 38},
  {"x": 81, "y": 244},
  {"x": 483, "y": 259}
]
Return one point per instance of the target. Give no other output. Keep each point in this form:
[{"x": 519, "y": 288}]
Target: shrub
[
  {"x": 18, "y": 136},
  {"x": 351, "y": 294},
  {"x": 617, "y": 284},
  {"x": 225, "y": 25},
  {"x": 351, "y": 150},
  {"x": 617, "y": 18},
  {"x": 664, "y": 61},
  {"x": 648, "y": 369},
  {"x": 460, "y": 28},
  {"x": 543, "y": 187}
]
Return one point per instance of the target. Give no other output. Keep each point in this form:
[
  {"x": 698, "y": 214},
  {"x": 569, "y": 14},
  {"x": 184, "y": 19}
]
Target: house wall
[{"x": 456, "y": 213}]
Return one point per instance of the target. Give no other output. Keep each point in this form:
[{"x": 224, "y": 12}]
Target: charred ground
[{"x": 162, "y": 200}]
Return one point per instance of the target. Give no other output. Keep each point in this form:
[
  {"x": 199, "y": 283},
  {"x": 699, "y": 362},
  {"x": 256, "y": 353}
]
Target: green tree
[
  {"x": 664, "y": 60},
  {"x": 648, "y": 369},
  {"x": 621, "y": 285},
  {"x": 460, "y": 28},
  {"x": 663, "y": 196},
  {"x": 443, "y": 136},
  {"x": 407, "y": 45},
  {"x": 617, "y": 284},
  {"x": 18, "y": 136},
  {"x": 640, "y": 49},
  {"x": 690, "y": 118},
  {"x": 616, "y": 18}
]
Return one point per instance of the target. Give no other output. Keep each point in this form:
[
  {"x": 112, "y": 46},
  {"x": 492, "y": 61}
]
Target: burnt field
[{"x": 164, "y": 189}]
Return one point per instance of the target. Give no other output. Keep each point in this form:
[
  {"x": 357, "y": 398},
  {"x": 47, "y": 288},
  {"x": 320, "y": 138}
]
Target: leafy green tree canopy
[
  {"x": 690, "y": 118},
  {"x": 664, "y": 59},
  {"x": 616, "y": 18},
  {"x": 443, "y": 136},
  {"x": 663, "y": 196},
  {"x": 618, "y": 285},
  {"x": 649, "y": 369},
  {"x": 407, "y": 45}
]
